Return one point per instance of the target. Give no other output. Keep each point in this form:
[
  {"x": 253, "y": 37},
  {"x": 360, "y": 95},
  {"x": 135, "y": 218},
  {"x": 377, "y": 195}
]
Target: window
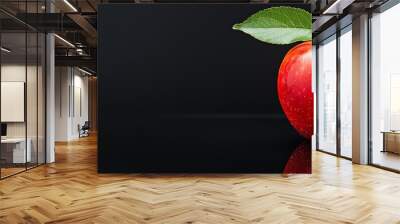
[
  {"x": 335, "y": 94},
  {"x": 385, "y": 89},
  {"x": 327, "y": 95},
  {"x": 345, "y": 92}
]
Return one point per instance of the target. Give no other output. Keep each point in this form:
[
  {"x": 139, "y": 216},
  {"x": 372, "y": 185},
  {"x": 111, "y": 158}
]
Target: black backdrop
[{"x": 180, "y": 91}]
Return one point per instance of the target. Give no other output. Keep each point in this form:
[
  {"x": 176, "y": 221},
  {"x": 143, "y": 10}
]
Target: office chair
[{"x": 84, "y": 130}]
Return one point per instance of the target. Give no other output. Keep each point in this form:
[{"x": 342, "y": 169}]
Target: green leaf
[{"x": 278, "y": 25}]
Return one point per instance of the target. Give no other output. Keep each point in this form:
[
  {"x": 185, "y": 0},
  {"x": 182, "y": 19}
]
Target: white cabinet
[{"x": 19, "y": 154}]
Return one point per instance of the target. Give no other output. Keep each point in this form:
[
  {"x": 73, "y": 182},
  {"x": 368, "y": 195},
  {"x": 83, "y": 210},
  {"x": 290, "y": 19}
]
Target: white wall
[
  {"x": 33, "y": 127},
  {"x": 17, "y": 73},
  {"x": 62, "y": 81},
  {"x": 9, "y": 73},
  {"x": 71, "y": 102},
  {"x": 81, "y": 104}
]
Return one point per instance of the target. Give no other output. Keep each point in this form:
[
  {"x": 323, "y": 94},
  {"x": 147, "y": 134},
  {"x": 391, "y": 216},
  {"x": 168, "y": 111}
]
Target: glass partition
[
  {"x": 14, "y": 153},
  {"x": 22, "y": 101},
  {"x": 327, "y": 95}
]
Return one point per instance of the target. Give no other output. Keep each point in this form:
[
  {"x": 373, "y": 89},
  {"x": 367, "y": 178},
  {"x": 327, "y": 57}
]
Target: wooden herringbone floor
[{"x": 70, "y": 191}]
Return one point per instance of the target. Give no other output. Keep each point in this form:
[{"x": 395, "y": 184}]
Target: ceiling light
[
  {"x": 337, "y": 7},
  {"x": 70, "y": 5},
  {"x": 5, "y": 50},
  {"x": 84, "y": 71},
  {"x": 65, "y": 41},
  {"x": 333, "y": 6}
]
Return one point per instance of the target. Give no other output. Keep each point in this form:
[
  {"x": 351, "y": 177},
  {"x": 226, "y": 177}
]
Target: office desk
[
  {"x": 391, "y": 141},
  {"x": 13, "y": 150}
]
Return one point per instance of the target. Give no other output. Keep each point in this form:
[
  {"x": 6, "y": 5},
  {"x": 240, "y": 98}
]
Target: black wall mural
[{"x": 180, "y": 91}]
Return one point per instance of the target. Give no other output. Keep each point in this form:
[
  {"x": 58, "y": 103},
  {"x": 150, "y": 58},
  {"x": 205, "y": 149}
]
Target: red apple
[
  {"x": 294, "y": 88},
  {"x": 300, "y": 160}
]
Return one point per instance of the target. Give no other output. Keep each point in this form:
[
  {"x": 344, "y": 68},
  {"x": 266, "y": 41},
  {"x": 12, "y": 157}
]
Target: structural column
[
  {"x": 314, "y": 91},
  {"x": 50, "y": 92},
  {"x": 360, "y": 90}
]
